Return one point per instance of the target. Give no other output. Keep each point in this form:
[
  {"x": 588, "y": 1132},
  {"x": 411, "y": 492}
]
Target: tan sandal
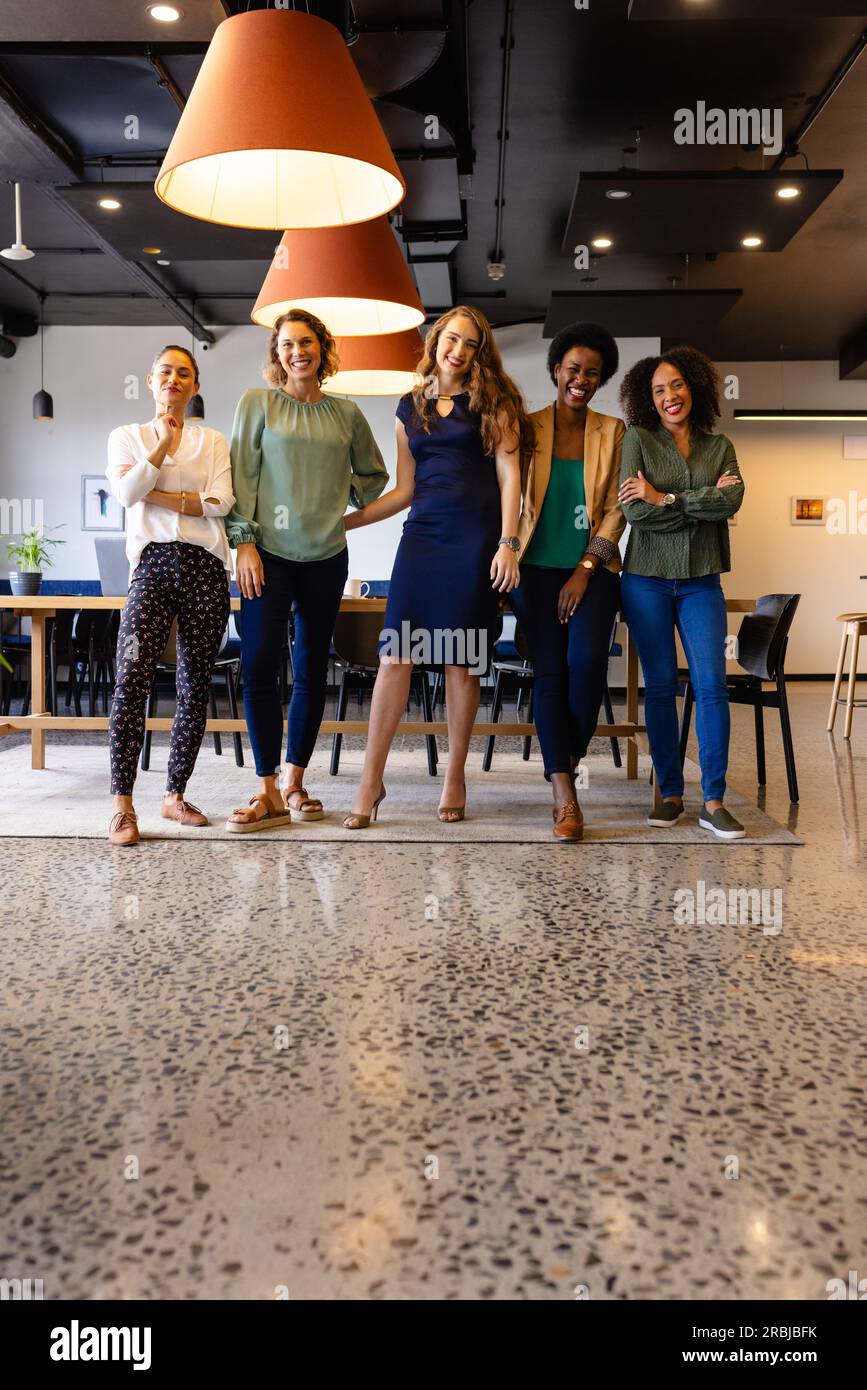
[
  {"x": 309, "y": 807},
  {"x": 450, "y": 815},
  {"x": 270, "y": 821}
]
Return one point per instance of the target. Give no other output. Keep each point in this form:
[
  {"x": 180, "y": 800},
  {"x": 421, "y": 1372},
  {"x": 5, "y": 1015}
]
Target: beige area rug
[{"x": 512, "y": 803}]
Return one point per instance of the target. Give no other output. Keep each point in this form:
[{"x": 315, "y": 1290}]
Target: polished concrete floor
[{"x": 423, "y": 1072}]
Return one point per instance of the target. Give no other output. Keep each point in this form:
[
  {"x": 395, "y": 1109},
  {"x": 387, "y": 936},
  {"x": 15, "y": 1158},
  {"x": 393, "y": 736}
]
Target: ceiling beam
[
  {"x": 146, "y": 281},
  {"x": 30, "y": 151}
]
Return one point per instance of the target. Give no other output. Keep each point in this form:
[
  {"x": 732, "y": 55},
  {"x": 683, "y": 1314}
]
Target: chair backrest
[
  {"x": 356, "y": 638},
  {"x": 113, "y": 564},
  {"x": 762, "y": 635}
]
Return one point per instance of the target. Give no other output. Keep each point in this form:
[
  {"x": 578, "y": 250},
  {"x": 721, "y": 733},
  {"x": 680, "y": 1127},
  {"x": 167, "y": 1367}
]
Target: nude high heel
[{"x": 361, "y": 822}]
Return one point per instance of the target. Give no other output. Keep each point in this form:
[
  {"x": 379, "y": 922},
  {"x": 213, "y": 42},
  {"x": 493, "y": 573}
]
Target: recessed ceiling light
[
  {"x": 601, "y": 243},
  {"x": 166, "y": 14},
  {"x": 152, "y": 250},
  {"x": 618, "y": 193},
  {"x": 788, "y": 192},
  {"x": 750, "y": 241},
  {"x": 110, "y": 204},
  {"x": 163, "y": 262}
]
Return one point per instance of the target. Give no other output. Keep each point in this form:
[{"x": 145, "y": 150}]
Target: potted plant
[{"x": 32, "y": 552}]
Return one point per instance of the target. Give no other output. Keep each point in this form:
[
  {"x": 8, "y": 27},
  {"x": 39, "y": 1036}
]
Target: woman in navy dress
[{"x": 460, "y": 436}]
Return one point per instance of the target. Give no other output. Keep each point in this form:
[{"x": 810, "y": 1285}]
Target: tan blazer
[{"x": 603, "y": 438}]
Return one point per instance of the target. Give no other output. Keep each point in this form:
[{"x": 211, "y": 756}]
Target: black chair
[
  {"x": 91, "y": 648},
  {"x": 761, "y": 651},
  {"x": 229, "y": 667},
  {"x": 356, "y": 644},
  {"x": 520, "y": 675}
]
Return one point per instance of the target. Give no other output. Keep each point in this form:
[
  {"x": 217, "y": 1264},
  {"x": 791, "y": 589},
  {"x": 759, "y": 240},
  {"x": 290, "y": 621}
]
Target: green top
[
  {"x": 563, "y": 528},
  {"x": 690, "y": 538},
  {"x": 296, "y": 465}
]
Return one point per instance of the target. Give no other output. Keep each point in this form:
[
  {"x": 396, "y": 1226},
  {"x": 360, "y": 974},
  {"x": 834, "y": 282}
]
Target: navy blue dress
[{"x": 441, "y": 577}]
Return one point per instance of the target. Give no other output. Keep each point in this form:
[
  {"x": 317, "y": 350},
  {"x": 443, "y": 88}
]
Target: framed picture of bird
[{"x": 100, "y": 511}]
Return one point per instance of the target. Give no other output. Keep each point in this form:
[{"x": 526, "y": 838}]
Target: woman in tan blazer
[{"x": 569, "y": 591}]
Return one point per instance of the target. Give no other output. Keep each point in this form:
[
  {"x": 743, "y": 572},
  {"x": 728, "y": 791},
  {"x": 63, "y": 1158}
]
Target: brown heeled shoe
[
  {"x": 568, "y": 821},
  {"x": 362, "y": 822},
  {"x": 450, "y": 815}
]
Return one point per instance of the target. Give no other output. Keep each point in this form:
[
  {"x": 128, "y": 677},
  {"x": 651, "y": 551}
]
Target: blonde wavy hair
[
  {"x": 329, "y": 362},
  {"x": 491, "y": 391}
]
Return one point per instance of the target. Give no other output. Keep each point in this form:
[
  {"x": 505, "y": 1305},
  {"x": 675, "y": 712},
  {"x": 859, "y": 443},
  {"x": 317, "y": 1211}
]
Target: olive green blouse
[
  {"x": 296, "y": 465},
  {"x": 690, "y": 538}
]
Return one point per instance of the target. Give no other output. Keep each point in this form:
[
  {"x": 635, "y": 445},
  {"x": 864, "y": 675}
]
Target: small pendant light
[
  {"x": 353, "y": 278},
  {"x": 195, "y": 411},
  {"x": 384, "y": 365},
  {"x": 43, "y": 405},
  {"x": 17, "y": 251}
]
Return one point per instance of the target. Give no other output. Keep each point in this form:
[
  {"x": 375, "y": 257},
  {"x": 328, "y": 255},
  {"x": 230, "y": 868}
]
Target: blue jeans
[
  {"x": 653, "y": 608},
  {"x": 569, "y": 659},
  {"x": 316, "y": 588}
]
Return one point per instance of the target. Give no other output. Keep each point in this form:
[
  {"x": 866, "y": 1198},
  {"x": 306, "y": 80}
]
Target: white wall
[{"x": 86, "y": 371}]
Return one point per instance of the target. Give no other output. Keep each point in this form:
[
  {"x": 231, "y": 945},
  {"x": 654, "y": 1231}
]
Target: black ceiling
[{"x": 590, "y": 92}]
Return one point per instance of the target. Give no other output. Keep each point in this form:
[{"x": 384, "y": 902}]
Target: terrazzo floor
[{"x": 408, "y": 1071}]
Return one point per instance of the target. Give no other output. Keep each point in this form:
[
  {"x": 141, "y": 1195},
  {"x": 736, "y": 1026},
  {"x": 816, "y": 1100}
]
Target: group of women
[{"x": 500, "y": 503}]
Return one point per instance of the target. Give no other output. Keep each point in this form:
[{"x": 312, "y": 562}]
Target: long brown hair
[
  {"x": 329, "y": 362},
  {"x": 491, "y": 391}
]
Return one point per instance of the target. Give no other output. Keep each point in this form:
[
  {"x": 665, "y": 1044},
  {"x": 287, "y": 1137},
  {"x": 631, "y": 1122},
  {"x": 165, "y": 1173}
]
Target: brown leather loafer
[
  {"x": 124, "y": 829},
  {"x": 184, "y": 812},
  {"x": 568, "y": 821}
]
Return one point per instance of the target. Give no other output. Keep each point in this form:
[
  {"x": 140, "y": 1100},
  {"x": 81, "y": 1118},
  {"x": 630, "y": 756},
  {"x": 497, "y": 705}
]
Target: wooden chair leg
[
  {"x": 337, "y": 739},
  {"x": 838, "y": 677},
  {"x": 853, "y": 673},
  {"x": 788, "y": 746},
  {"x": 759, "y": 713},
  {"x": 495, "y": 719}
]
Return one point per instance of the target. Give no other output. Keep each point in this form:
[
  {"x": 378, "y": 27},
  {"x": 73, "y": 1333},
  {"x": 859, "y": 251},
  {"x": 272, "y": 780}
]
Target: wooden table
[{"x": 40, "y": 607}]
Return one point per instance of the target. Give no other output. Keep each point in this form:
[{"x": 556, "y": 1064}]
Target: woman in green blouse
[
  {"x": 680, "y": 483},
  {"x": 298, "y": 459}
]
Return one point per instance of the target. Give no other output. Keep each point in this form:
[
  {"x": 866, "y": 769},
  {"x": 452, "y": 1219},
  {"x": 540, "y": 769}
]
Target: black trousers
[{"x": 570, "y": 659}]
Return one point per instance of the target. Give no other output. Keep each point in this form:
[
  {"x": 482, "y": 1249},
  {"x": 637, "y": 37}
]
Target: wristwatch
[
  {"x": 511, "y": 541},
  {"x": 668, "y": 500},
  {"x": 588, "y": 565}
]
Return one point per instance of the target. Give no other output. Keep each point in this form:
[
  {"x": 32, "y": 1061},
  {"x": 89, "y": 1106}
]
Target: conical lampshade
[
  {"x": 353, "y": 278},
  {"x": 279, "y": 131},
  {"x": 384, "y": 365}
]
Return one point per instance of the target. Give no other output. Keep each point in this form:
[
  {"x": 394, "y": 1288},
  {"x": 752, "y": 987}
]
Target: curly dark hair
[
  {"x": 700, "y": 375},
  {"x": 329, "y": 362},
  {"x": 589, "y": 335}
]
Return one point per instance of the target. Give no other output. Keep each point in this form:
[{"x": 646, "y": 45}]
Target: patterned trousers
[{"x": 172, "y": 580}]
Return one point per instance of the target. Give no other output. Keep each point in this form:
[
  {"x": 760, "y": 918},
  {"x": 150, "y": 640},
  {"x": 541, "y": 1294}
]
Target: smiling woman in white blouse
[{"x": 175, "y": 481}]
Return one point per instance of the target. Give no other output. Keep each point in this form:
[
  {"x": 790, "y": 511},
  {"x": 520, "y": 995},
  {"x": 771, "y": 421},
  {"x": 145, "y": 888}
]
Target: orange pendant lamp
[
  {"x": 279, "y": 131},
  {"x": 353, "y": 278},
  {"x": 384, "y": 365}
]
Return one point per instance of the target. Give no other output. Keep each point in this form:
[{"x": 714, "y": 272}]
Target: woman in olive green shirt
[
  {"x": 298, "y": 459},
  {"x": 680, "y": 483}
]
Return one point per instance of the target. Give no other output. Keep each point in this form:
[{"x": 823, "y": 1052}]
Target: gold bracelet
[{"x": 183, "y": 502}]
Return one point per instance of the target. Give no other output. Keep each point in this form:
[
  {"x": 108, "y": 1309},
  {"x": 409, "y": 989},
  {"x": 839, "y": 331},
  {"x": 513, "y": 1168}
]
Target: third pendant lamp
[
  {"x": 385, "y": 365},
  {"x": 278, "y": 131},
  {"x": 353, "y": 278}
]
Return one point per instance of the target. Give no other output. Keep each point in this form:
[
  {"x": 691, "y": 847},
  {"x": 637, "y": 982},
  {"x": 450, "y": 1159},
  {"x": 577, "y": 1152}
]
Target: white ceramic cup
[{"x": 357, "y": 588}]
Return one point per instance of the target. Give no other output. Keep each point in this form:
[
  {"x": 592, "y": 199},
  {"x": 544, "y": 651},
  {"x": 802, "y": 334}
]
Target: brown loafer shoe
[
  {"x": 184, "y": 812},
  {"x": 568, "y": 821},
  {"x": 124, "y": 829}
]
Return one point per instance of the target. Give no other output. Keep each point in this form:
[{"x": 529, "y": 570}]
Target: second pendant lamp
[
  {"x": 278, "y": 131},
  {"x": 353, "y": 278}
]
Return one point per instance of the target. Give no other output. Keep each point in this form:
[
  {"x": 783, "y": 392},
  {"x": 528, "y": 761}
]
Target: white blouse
[{"x": 201, "y": 465}]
